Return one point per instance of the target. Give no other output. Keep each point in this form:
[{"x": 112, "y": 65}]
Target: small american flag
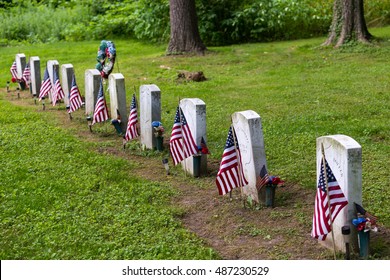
[
  {"x": 14, "y": 70},
  {"x": 58, "y": 92},
  {"x": 75, "y": 100},
  {"x": 27, "y": 74},
  {"x": 321, "y": 217},
  {"x": 263, "y": 179},
  {"x": 230, "y": 174},
  {"x": 182, "y": 144},
  {"x": 131, "y": 131},
  {"x": 46, "y": 86},
  {"x": 101, "y": 112}
]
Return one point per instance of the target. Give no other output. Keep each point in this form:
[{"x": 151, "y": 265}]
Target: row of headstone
[
  {"x": 36, "y": 77},
  {"x": 342, "y": 152}
]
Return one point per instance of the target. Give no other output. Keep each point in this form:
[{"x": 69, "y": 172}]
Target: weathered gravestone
[
  {"x": 67, "y": 72},
  {"x": 35, "y": 70},
  {"x": 20, "y": 59},
  {"x": 116, "y": 83},
  {"x": 344, "y": 156},
  {"x": 52, "y": 65},
  {"x": 150, "y": 111},
  {"x": 194, "y": 110},
  {"x": 92, "y": 86},
  {"x": 249, "y": 132}
]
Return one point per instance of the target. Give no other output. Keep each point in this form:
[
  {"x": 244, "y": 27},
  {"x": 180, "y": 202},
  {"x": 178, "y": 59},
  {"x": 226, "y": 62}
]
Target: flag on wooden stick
[
  {"x": 46, "y": 86},
  {"x": 27, "y": 74},
  {"x": 14, "y": 71},
  {"x": 58, "y": 92},
  {"x": 131, "y": 131},
  {"x": 230, "y": 174},
  {"x": 101, "y": 112},
  {"x": 75, "y": 101},
  {"x": 328, "y": 203},
  {"x": 182, "y": 144}
]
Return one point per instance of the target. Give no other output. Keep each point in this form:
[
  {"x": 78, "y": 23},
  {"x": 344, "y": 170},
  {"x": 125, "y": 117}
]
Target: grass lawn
[{"x": 301, "y": 92}]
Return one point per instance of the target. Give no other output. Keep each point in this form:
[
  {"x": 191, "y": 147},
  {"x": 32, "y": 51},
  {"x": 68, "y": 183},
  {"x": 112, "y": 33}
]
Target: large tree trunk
[
  {"x": 348, "y": 23},
  {"x": 184, "y": 28}
]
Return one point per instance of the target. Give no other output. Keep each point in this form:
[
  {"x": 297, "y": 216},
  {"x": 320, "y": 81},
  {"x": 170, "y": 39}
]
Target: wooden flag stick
[
  {"x": 182, "y": 141},
  {"x": 137, "y": 127},
  {"x": 327, "y": 194},
  {"x": 238, "y": 162},
  {"x": 136, "y": 104}
]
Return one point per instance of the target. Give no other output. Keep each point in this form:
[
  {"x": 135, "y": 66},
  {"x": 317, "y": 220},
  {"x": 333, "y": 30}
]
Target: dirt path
[{"x": 282, "y": 232}]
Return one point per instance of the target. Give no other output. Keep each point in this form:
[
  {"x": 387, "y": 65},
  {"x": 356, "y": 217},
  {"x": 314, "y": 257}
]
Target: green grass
[
  {"x": 61, "y": 200},
  {"x": 300, "y": 90}
]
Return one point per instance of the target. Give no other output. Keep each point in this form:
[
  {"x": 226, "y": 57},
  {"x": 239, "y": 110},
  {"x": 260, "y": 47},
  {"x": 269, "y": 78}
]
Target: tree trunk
[
  {"x": 184, "y": 28},
  {"x": 348, "y": 23}
]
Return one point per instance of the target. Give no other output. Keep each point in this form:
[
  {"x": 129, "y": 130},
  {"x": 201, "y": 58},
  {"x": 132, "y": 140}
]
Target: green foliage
[
  {"x": 377, "y": 12},
  {"x": 261, "y": 20},
  {"x": 38, "y": 23},
  {"x": 221, "y": 22}
]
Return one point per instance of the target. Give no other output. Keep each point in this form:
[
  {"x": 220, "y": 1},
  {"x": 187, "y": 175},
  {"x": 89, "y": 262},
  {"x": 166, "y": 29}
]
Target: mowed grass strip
[{"x": 59, "y": 199}]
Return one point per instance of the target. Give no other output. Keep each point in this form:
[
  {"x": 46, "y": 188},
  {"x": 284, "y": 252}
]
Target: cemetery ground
[
  {"x": 67, "y": 193},
  {"x": 70, "y": 219}
]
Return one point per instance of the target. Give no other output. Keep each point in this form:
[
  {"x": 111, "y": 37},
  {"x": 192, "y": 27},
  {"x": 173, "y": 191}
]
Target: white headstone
[
  {"x": 194, "y": 110},
  {"x": 118, "y": 98},
  {"x": 52, "y": 65},
  {"x": 66, "y": 78},
  {"x": 249, "y": 131},
  {"x": 344, "y": 156},
  {"x": 150, "y": 110},
  {"x": 35, "y": 69},
  {"x": 20, "y": 59},
  {"x": 92, "y": 85}
]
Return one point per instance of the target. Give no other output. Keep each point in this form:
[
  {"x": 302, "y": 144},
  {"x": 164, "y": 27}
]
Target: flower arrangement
[
  {"x": 363, "y": 223},
  {"x": 202, "y": 148},
  {"x": 275, "y": 181},
  {"x": 158, "y": 129}
]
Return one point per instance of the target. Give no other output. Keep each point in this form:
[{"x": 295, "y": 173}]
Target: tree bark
[
  {"x": 348, "y": 23},
  {"x": 184, "y": 36}
]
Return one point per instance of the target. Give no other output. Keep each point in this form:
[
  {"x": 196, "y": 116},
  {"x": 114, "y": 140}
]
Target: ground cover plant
[
  {"x": 61, "y": 200},
  {"x": 300, "y": 90}
]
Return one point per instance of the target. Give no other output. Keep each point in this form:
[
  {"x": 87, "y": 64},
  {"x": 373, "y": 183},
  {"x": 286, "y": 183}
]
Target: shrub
[
  {"x": 221, "y": 22},
  {"x": 262, "y": 20}
]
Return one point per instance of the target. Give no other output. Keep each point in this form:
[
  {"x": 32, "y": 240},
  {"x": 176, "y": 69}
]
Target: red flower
[
  {"x": 275, "y": 180},
  {"x": 361, "y": 226},
  {"x": 205, "y": 151}
]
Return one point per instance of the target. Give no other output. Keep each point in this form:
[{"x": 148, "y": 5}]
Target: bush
[
  {"x": 377, "y": 12},
  {"x": 221, "y": 22},
  {"x": 39, "y": 23},
  {"x": 262, "y": 20}
]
